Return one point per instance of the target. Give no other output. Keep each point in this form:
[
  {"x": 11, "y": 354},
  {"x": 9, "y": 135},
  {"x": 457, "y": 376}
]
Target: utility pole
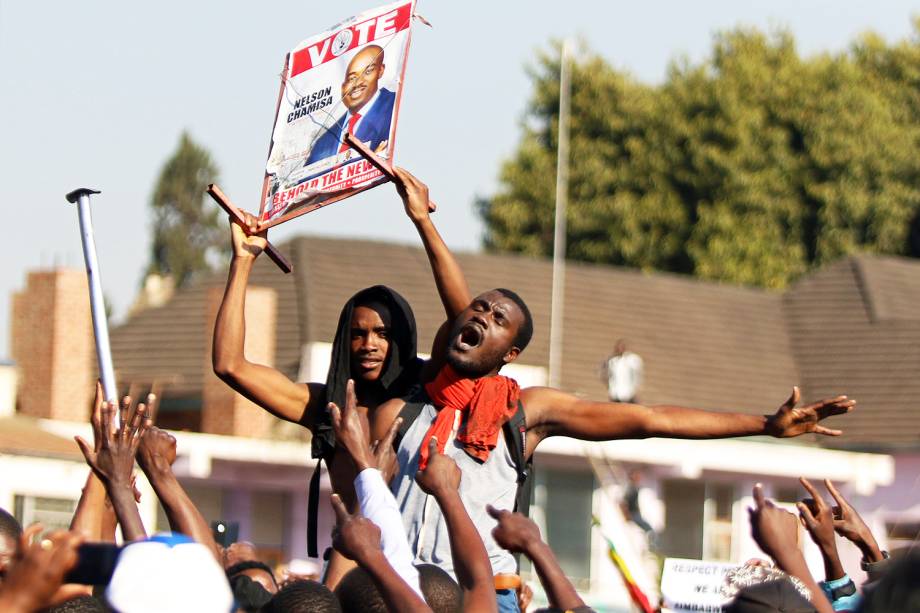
[{"x": 559, "y": 242}]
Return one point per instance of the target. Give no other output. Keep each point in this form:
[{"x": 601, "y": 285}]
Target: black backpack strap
[
  {"x": 516, "y": 438},
  {"x": 313, "y": 509}
]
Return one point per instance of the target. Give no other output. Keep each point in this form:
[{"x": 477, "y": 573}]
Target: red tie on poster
[{"x": 351, "y": 130}]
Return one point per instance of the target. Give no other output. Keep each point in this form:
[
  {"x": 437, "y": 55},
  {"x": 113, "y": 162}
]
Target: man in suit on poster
[{"x": 370, "y": 109}]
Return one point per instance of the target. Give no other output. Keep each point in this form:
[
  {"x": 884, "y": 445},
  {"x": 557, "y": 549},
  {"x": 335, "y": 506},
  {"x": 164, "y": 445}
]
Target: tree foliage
[
  {"x": 186, "y": 228},
  {"x": 750, "y": 167}
]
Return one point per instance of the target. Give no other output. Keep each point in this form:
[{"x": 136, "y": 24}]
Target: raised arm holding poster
[{"x": 346, "y": 80}]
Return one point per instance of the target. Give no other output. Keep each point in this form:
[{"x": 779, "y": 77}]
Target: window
[
  {"x": 720, "y": 498},
  {"x": 52, "y": 513},
  {"x": 683, "y": 516},
  {"x": 565, "y": 497}
]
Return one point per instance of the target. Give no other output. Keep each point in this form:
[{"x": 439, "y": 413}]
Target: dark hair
[
  {"x": 9, "y": 526},
  {"x": 441, "y": 592},
  {"x": 303, "y": 596},
  {"x": 80, "y": 604},
  {"x": 357, "y": 593},
  {"x": 525, "y": 332},
  {"x": 249, "y": 565}
]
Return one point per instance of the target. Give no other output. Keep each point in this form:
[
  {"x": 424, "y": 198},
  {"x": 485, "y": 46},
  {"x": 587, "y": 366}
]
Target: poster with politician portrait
[{"x": 346, "y": 80}]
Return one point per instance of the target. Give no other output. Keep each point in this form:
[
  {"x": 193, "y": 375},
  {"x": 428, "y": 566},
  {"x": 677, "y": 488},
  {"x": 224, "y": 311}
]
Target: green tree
[
  {"x": 186, "y": 228},
  {"x": 749, "y": 167}
]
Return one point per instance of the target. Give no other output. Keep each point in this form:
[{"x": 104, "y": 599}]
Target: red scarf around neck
[{"x": 488, "y": 403}]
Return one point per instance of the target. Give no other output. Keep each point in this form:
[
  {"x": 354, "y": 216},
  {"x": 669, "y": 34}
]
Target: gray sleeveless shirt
[{"x": 491, "y": 482}]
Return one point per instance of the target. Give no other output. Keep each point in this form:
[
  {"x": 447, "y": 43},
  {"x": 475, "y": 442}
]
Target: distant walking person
[
  {"x": 630, "y": 505},
  {"x": 623, "y": 373}
]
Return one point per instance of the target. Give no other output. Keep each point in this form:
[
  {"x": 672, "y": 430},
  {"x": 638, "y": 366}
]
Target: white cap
[{"x": 169, "y": 572}]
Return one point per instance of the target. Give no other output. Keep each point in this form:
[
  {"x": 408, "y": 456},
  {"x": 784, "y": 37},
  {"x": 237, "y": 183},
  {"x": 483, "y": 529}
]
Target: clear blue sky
[{"x": 96, "y": 93}]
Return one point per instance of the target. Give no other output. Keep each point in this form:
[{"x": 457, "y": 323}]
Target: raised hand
[
  {"x": 414, "y": 195},
  {"x": 773, "y": 529},
  {"x": 514, "y": 532},
  {"x": 441, "y": 476},
  {"x": 818, "y": 519},
  {"x": 849, "y": 525},
  {"x": 157, "y": 451},
  {"x": 247, "y": 243},
  {"x": 39, "y": 569},
  {"x": 352, "y": 430},
  {"x": 355, "y": 537},
  {"x": 384, "y": 454},
  {"x": 791, "y": 421},
  {"x": 112, "y": 455}
]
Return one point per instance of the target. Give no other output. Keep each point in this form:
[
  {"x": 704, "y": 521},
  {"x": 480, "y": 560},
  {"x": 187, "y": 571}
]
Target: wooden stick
[
  {"x": 224, "y": 202},
  {"x": 378, "y": 163}
]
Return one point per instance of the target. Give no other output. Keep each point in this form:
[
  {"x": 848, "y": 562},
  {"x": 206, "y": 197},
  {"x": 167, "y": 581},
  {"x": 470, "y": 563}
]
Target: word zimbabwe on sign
[{"x": 347, "y": 79}]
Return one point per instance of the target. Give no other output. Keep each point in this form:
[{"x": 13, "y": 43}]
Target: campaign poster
[{"x": 346, "y": 79}]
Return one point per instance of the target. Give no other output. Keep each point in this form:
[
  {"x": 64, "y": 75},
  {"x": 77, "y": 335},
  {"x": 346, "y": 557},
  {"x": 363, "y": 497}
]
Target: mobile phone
[
  {"x": 95, "y": 564},
  {"x": 225, "y": 532}
]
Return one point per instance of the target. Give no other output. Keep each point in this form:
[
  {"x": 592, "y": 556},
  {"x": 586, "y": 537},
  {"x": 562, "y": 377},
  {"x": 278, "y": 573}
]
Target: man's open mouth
[{"x": 470, "y": 336}]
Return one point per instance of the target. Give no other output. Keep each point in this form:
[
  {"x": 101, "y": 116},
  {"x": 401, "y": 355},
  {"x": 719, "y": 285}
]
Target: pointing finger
[
  {"x": 391, "y": 434},
  {"x": 495, "y": 513},
  {"x": 819, "y": 501},
  {"x": 336, "y": 415},
  {"x": 341, "y": 513},
  {"x": 759, "y": 498},
  {"x": 840, "y": 500}
]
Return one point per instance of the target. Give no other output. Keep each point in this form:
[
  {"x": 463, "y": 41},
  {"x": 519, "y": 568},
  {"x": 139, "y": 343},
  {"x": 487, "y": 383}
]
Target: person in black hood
[
  {"x": 375, "y": 342},
  {"x": 375, "y": 345}
]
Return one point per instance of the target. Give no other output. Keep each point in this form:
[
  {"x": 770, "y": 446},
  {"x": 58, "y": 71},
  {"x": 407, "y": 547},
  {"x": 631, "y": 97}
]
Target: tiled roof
[
  {"x": 855, "y": 329},
  {"x": 704, "y": 344},
  {"x": 20, "y": 435}
]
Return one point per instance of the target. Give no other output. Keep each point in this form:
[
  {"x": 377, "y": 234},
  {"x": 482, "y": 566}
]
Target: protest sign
[
  {"x": 346, "y": 80},
  {"x": 693, "y": 585}
]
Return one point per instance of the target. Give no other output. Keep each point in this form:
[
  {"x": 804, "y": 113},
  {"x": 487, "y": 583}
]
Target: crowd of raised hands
[
  {"x": 776, "y": 532},
  {"x": 44, "y": 570}
]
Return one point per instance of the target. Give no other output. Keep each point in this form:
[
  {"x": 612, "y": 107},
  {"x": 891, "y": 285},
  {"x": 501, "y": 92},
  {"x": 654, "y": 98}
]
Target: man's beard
[{"x": 471, "y": 368}]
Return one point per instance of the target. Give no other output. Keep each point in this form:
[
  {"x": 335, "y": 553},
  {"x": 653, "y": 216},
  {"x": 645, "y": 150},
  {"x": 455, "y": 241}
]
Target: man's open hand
[
  {"x": 352, "y": 430},
  {"x": 441, "y": 476},
  {"x": 157, "y": 451},
  {"x": 514, "y": 531},
  {"x": 355, "y": 537},
  {"x": 112, "y": 455},
  {"x": 791, "y": 421}
]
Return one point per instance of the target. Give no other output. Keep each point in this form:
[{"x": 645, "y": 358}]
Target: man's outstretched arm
[
  {"x": 550, "y": 412},
  {"x": 264, "y": 385}
]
